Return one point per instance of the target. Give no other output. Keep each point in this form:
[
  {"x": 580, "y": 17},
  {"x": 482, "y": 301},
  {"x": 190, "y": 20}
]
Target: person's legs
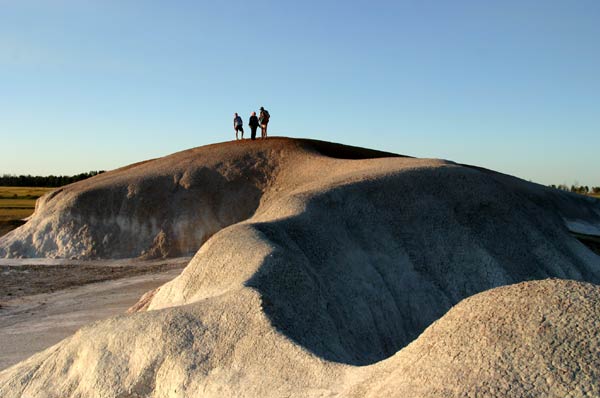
[
  {"x": 253, "y": 132},
  {"x": 236, "y": 133},
  {"x": 266, "y": 125},
  {"x": 263, "y": 130},
  {"x": 242, "y": 130}
]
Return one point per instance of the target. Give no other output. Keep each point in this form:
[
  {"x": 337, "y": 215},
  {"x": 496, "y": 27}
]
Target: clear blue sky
[{"x": 508, "y": 85}]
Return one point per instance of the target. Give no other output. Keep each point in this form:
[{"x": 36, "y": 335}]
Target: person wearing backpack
[
  {"x": 238, "y": 125},
  {"x": 264, "y": 121},
  {"x": 253, "y": 123}
]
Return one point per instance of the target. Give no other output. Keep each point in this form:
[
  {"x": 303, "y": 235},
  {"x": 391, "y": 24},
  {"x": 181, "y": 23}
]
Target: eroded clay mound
[
  {"x": 534, "y": 339},
  {"x": 164, "y": 207},
  {"x": 357, "y": 270},
  {"x": 160, "y": 208}
]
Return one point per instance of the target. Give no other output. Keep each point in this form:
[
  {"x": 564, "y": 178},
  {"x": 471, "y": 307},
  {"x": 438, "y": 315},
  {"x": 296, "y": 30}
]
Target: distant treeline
[
  {"x": 8, "y": 180},
  {"x": 581, "y": 189}
]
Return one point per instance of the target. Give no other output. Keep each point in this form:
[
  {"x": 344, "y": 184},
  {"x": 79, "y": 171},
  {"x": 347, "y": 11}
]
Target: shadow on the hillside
[
  {"x": 590, "y": 241},
  {"x": 368, "y": 266}
]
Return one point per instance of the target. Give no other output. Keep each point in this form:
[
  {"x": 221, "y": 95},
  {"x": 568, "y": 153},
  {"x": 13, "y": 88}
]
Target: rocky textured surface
[
  {"x": 344, "y": 257},
  {"x": 534, "y": 339}
]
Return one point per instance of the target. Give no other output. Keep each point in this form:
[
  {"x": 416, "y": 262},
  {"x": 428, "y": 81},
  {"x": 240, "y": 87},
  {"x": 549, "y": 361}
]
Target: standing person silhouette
[
  {"x": 238, "y": 125},
  {"x": 264, "y": 121},
  {"x": 253, "y": 123}
]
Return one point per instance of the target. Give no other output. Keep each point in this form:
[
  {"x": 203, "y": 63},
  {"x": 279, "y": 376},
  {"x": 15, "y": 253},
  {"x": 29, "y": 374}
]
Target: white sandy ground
[
  {"x": 323, "y": 276},
  {"x": 33, "y": 323}
]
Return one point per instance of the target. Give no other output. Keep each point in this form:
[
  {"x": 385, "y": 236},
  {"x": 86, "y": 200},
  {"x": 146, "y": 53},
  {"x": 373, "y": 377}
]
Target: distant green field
[
  {"x": 17, "y": 203},
  {"x": 23, "y": 192}
]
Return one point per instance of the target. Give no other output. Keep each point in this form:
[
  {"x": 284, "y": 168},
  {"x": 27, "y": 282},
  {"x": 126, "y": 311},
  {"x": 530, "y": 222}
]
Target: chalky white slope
[{"x": 321, "y": 263}]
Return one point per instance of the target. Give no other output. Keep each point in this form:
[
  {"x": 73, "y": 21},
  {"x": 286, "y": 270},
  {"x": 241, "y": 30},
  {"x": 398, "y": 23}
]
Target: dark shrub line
[
  {"x": 51, "y": 181},
  {"x": 582, "y": 189}
]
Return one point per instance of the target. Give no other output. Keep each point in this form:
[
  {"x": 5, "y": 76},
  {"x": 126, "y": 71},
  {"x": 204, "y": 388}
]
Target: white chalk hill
[{"x": 319, "y": 265}]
